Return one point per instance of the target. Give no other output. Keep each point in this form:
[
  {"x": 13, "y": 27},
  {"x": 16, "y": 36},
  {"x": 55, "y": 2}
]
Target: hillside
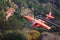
[{"x": 18, "y": 28}]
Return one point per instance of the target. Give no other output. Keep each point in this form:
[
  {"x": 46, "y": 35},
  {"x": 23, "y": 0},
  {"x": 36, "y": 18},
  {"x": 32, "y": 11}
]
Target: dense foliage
[{"x": 16, "y": 22}]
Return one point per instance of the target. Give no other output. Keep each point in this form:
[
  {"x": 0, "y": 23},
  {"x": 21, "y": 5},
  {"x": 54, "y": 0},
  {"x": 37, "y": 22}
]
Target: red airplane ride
[{"x": 36, "y": 23}]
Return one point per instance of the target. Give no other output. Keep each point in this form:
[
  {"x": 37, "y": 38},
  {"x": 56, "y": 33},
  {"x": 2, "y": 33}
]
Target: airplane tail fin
[{"x": 49, "y": 15}]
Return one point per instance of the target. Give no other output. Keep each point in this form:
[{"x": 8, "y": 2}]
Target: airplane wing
[{"x": 44, "y": 25}]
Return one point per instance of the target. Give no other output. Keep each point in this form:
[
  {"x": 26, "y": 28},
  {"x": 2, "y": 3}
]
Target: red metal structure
[
  {"x": 8, "y": 13},
  {"x": 37, "y": 22}
]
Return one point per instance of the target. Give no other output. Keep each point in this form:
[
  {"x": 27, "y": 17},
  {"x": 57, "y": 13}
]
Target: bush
[
  {"x": 13, "y": 35},
  {"x": 34, "y": 34}
]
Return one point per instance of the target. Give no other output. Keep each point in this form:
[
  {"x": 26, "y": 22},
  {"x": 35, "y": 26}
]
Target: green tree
[{"x": 13, "y": 35}]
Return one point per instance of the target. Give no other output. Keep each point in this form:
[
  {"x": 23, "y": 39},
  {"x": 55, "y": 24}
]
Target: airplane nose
[{"x": 49, "y": 28}]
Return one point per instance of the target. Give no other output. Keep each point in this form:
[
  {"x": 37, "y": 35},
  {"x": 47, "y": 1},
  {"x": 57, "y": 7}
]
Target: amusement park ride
[
  {"x": 39, "y": 22},
  {"x": 35, "y": 22}
]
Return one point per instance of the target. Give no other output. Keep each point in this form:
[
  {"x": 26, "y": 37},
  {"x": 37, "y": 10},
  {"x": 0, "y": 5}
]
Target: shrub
[{"x": 13, "y": 35}]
